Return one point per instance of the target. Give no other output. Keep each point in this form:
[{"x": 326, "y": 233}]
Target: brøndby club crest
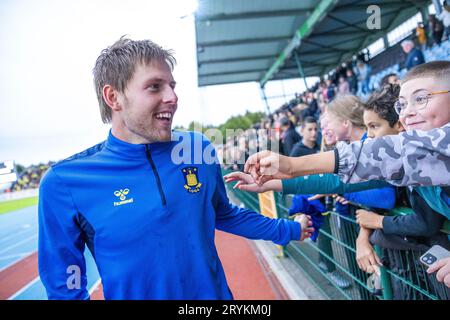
[{"x": 190, "y": 177}]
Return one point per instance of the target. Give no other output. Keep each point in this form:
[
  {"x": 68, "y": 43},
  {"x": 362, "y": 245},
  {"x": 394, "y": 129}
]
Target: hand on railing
[
  {"x": 246, "y": 182},
  {"x": 366, "y": 257},
  {"x": 369, "y": 219}
]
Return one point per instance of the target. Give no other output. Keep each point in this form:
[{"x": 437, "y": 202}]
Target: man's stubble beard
[{"x": 143, "y": 127}]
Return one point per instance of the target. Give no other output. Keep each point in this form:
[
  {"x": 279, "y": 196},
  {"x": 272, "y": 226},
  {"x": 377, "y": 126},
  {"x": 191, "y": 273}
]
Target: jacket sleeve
[
  {"x": 382, "y": 198},
  {"x": 424, "y": 222},
  {"x": 326, "y": 183},
  {"x": 62, "y": 267},
  {"x": 247, "y": 223},
  {"x": 411, "y": 158}
]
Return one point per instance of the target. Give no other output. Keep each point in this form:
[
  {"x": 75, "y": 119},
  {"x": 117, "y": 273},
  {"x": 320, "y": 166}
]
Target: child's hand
[
  {"x": 267, "y": 165},
  {"x": 368, "y": 219},
  {"x": 306, "y": 226},
  {"x": 341, "y": 199},
  {"x": 244, "y": 182},
  {"x": 442, "y": 267},
  {"x": 320, "y": 196},
  {"x": 367, "y": 258},
  {"x": 335, "y": 196}
]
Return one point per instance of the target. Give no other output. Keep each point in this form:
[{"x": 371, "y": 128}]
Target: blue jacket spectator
[{"x": 414, "y": 55}]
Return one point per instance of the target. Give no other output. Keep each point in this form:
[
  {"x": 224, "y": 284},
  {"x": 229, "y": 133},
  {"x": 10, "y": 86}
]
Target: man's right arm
[{"x": 62, "y": 267}]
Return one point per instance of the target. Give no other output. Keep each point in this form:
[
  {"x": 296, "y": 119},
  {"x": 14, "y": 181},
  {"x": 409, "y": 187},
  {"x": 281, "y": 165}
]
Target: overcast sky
[{"x": 48, "y": 107}]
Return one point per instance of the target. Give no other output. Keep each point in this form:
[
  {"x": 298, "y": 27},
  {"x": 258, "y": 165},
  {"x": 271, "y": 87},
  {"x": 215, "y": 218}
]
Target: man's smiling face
[{"x": 149, "y": 102}]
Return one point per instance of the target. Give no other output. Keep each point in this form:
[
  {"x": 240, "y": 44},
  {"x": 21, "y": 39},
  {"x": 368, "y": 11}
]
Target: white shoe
[{"x": 339, "y": 280}]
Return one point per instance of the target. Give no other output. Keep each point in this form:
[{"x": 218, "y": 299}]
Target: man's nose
[{"x": 170, "y": 96}]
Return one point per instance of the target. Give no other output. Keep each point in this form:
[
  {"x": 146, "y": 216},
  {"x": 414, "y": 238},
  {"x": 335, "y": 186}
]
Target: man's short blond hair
[{"x": 439, "y": 70}]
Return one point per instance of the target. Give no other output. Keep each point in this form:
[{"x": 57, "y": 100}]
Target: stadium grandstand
[
  {"x": 8, "y": 175},
  {"x": 352, "y": 47}
]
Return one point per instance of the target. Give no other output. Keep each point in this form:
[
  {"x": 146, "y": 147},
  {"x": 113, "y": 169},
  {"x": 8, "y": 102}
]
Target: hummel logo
[{"x": 122, "y": 194}]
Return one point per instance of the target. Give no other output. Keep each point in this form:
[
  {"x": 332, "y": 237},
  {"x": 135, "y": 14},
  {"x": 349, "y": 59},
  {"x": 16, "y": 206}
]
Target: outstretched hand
[
  {"x": 267, "y": 165},
  {"x": 246, "y": 182}
]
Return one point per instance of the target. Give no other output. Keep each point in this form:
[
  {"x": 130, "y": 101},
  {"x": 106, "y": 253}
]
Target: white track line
[
  {"x": 34, "y": 229},
  {"x": 17, "y": 261},
  {"x": 17, "y": 255},
  {"x": 18, "y": 243},
  {"x": 15, "y": 295},
  {"x": 28, "y": 285},
  {"x": 95, "y": 286}
]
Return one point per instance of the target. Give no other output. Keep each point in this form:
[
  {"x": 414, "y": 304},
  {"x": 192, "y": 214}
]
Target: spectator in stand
[
  {"x": 289, "y": 136},
  {"x": 444, "y": 16},
  {"x": 313, "y": 107},
  {"x": 391, "y": 78},
  {"x": 308, "y": 144},
  {"x": 291, "y": 116},
  {"x": 321, "y": 102},
  {"x": 331, "y": 90},
  {"x": 352, "y": 81},
  {"x": 421, "y": 36},
  {"x": 343, "y": 87},
  {"x": 436, "y": 29},
  {"x": 30, "y": 178},
  {"x": 414, "y": 55},
  {"x": 323, "y": 90},
  {"x": 363, "y": 71}
]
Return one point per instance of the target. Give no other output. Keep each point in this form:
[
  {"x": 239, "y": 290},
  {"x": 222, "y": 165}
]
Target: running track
[
  {"x": 19, "y": 278},
  {"x": 247, "y": 274}
]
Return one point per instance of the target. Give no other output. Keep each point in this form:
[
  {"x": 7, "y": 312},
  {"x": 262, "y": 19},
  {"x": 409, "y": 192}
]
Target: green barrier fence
[{"x": 331, "y": 265}]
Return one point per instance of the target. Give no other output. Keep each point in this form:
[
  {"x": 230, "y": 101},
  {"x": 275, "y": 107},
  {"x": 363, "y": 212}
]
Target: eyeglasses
[{"x": 419, "y": 101}]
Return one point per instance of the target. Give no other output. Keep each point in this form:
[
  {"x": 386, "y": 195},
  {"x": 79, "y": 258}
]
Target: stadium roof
[{"x": 256, "y": 40}]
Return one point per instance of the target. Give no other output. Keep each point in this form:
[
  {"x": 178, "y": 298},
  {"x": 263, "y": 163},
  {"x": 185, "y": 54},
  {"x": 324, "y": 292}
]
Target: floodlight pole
[
  {"x": 321, "y": 9},
  {"x": 300, "y": 68},
  {"x": 437, "y": 6},
  {"x": 263, "y": 92}
]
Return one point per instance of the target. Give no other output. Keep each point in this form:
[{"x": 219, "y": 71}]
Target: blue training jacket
[{"x": 148, "y": 221}]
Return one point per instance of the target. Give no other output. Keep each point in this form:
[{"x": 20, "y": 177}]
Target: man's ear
[
  {"x": 111, "y": 97},
  {"x": 399, "y": 126}
]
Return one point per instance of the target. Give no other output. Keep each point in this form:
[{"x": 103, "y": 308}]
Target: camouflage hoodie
[{"x": 411, "y": 158}]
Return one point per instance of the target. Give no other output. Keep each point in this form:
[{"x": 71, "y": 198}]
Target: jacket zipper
[{"x": 155, "y": 172}]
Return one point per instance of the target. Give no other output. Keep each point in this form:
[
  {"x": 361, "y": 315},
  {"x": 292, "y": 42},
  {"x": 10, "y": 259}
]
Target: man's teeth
[{"x": 164, "y": 115}]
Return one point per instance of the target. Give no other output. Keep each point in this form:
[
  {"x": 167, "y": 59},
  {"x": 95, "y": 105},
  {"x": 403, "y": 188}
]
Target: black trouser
[
  {"x": 324, "y": 244},
  {"x": 349, "y": 232}
]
